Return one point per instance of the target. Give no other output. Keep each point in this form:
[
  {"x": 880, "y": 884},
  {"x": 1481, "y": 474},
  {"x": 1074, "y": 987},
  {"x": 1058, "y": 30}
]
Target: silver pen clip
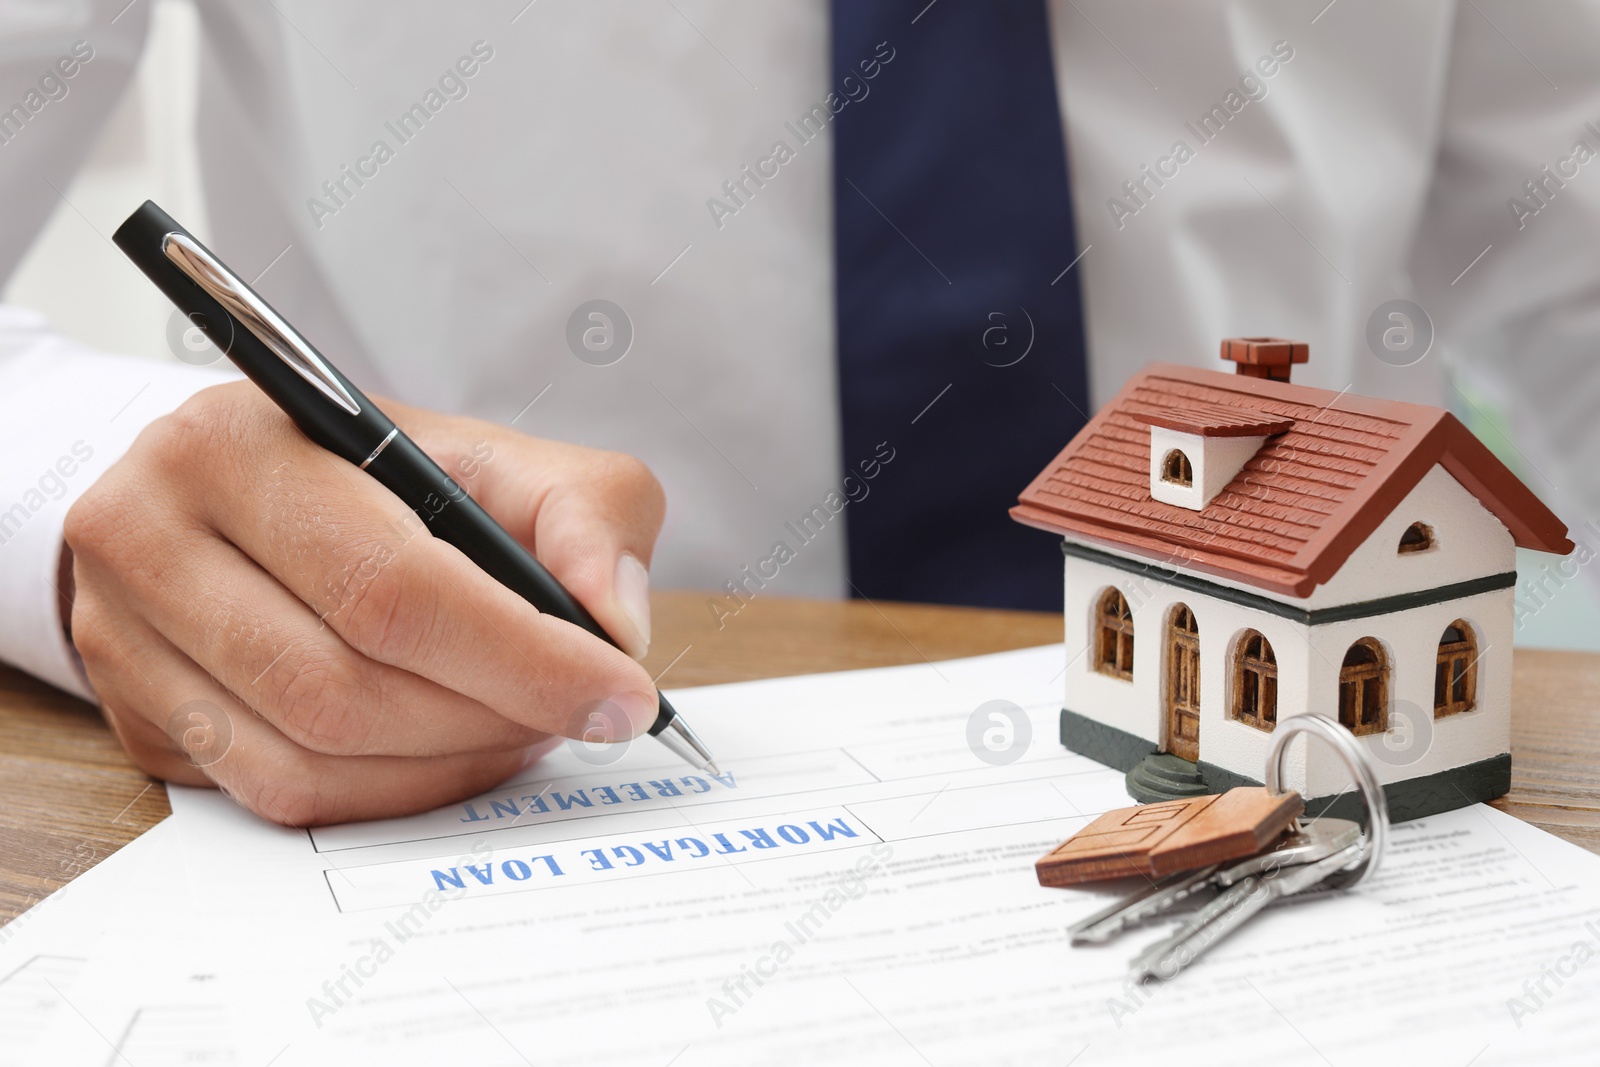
[{"x": 220, "y": 284}]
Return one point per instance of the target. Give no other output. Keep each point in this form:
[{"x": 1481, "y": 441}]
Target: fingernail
[
  {"x": 632, "y": 592},
  {"x": 641, "y": 710}
]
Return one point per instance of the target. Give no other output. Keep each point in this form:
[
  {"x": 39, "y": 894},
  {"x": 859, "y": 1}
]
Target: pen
[{"x": 334, "y": 414}]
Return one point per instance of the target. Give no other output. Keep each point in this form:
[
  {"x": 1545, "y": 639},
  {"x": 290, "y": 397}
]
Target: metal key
[
  {"x": 1157, "y": 897},
  {"x": 1309, "y": 844},
  {"x": 1232, "y": 909}
]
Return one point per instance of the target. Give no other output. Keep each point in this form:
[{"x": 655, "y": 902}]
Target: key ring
[{"x": 1360, "y": 766}]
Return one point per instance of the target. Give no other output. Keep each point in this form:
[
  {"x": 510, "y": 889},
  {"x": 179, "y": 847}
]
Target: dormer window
[
  {"x": 1417, "y": 538},
  {"x": 1177, "y": 469},
  {"x": 1198, "y": 448}
]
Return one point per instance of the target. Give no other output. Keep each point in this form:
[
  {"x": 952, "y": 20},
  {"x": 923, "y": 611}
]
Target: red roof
[
  {"x": 1211, "y": 420},
  {"x": 1334, "y": 466}
]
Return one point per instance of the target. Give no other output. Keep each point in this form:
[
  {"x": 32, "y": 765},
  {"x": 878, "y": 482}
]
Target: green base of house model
[{"x": 1155, "y": 776}]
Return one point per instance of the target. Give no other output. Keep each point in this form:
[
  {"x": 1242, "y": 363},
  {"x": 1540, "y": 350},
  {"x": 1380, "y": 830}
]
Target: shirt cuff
[{"x": 67, "y": 412}]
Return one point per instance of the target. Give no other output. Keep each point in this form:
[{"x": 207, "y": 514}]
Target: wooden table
[{"x": 69, "y": 797}]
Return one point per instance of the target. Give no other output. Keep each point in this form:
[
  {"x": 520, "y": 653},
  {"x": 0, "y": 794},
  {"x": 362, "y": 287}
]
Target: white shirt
[{"x": 578, "y": 159}]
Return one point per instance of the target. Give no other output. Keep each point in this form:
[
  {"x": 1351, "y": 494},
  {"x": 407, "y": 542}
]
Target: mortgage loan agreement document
[{"x": 858, "y": 887}]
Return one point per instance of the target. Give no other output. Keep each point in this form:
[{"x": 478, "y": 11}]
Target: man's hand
[{"x": 255, "y": 612}]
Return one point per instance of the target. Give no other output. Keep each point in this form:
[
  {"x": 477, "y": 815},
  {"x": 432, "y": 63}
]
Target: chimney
[{"x": 1265, "y": 357}]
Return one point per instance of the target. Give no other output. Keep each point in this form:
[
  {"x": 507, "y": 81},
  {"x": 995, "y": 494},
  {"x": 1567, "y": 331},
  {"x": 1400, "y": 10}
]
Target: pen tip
[{"x": 682, "y": 741}]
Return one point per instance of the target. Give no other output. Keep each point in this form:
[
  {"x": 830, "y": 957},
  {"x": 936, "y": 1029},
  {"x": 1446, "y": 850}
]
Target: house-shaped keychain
[{"x": 1240, "y": 549}]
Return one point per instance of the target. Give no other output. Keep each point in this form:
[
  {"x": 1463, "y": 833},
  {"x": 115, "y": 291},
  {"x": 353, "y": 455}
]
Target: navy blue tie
[{"x": 960, "y": 337}]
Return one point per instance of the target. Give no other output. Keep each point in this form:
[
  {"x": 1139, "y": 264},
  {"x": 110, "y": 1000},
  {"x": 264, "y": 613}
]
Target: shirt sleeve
[{"x": 67, "y": 412}]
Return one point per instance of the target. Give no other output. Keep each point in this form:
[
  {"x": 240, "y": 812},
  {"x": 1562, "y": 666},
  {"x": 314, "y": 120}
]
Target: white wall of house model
[{"x": 1468, "y": 542}]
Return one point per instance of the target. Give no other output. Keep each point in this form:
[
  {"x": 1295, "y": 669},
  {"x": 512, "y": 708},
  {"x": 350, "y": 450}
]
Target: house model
[{"x": 1240, "y": 549}]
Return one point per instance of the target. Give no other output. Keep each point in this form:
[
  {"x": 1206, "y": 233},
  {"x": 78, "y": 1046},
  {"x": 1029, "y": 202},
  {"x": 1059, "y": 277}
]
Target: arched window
[
  {"x": 1417, "y": 538},
  {"x": 1455, "y": 675},
  {"x": 1114, "y": 636},
  {"x": 1364, "y": 688},
  {"x": 1255, "y": 682},
  {"x": 1175, "y": 468}
]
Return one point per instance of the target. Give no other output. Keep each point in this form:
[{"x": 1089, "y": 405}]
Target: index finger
[{"x": 357, "y": 556}]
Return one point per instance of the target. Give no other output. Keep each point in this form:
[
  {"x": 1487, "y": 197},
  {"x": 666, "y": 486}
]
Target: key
[
  {"x": 1314, "y": 842},
  {"x": 1153, "y": 899},
  {"x": 1156, "y": 840},
  {"x": 1232, "y": 909}
]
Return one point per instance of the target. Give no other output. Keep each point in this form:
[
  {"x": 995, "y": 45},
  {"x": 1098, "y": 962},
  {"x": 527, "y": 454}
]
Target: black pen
[{"x": 334, "y": 414}]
